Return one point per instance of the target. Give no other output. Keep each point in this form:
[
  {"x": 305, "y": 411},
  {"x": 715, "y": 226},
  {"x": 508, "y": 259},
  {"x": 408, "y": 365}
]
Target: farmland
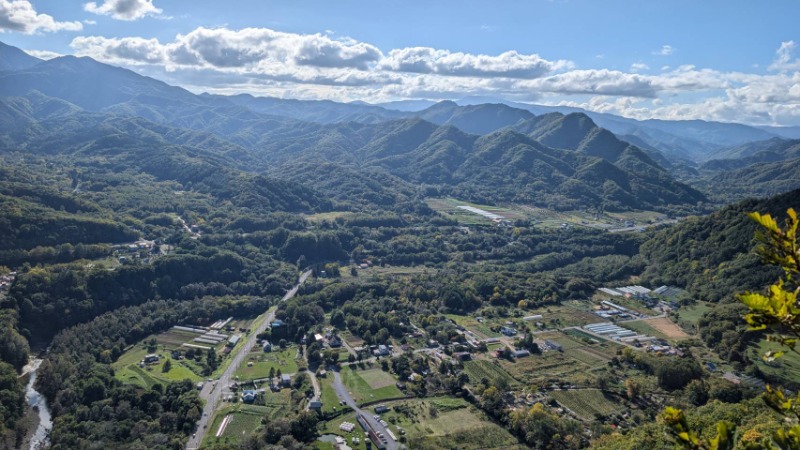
[
  {"x": 357, "y": 383},
  {"x": 446, "y": 423},
  {"x": 244, "y": 420},
  {"x": 480, "y": 369},
  {"x": 587, "y": 403}
]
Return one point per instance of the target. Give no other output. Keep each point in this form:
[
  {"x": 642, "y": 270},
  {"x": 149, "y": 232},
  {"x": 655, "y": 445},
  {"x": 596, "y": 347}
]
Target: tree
[
  {"x": 167, "y": 366},
  {"x": 777, "y": 312}
]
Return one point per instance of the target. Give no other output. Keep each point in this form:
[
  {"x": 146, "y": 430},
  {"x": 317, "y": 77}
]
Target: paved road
[
  {"x": 212, "y": 392},
  {"x": 343, "y": 394}
]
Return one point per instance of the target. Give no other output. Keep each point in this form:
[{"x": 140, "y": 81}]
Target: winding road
[{"x": 212, "y": 391}]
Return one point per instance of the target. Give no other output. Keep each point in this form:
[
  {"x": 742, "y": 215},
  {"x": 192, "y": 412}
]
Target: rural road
[
  {"x": 343, "y": 394},
  {"x": 315, "y": 385},
  {"x": 212, "y": 394}
]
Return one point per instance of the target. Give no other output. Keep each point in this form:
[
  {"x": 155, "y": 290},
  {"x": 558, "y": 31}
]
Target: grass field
[
  {"x": 587, "y": 403},
  {"x": 439, "y": 423},
  {"x": 688, "y": 316},
  {"x": 360, "y": 389},
  {"x": 377, "y": 378},
  {"x": 328, "y": 398},
  {"x": 568, "y": 314},
  {"x": 666, "y": 327},
  {"x": 263, "y": 362},
  {"x": 127, "y": 369},
  {"x": 244, "y": 420},
  {"x": 329, "y": 216},
  {"x": 786, "y": 367},
  {"x": 479, "y": 369},
  {"x": 481, "y": 329},
  {"x": 448, "y": 207}
]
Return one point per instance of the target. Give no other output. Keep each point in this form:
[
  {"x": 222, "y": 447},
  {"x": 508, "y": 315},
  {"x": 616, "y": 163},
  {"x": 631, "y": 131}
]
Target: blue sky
[{"x": 716, "y": 60}]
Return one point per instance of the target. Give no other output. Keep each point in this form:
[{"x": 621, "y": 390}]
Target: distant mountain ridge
[{"x": 440, "y": 146}]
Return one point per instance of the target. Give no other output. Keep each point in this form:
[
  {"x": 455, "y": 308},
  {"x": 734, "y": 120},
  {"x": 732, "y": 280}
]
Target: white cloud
[
  {"x": 124, "y": 9},
  {"x": 596, "y": 82},
  {"x": 665, "y": 50},
  {"x": 90, "y": 22},
  {"x": 783, "y": 59},
  {"x": 268, "y": 62},
  {"x": 20, "y": 15},
  {"x": 510, "y": 64},
  {"x": 43, "y": 54}
]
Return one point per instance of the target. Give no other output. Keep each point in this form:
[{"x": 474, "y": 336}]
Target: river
[{"x": 39, "y": 404}]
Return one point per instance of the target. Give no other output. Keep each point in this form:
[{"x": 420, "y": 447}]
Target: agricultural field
[
  {"x": 661, "y": 327},
  {"x": 284, "y": 360},
  {"x": 244, "y": 419},
  {"x": 446, "y": 423},
  {"x": 571, "y": 313},
  {"x": 378, "y": 271},
  {"x": 360, "y": 384},
  {"x": 449, "y": 207},
  {"x": 587, "y": 403},
  {"x": 481, "y": 368},
  {"x": 482, "y": 329},
  {"x": 689, "y": 316}
]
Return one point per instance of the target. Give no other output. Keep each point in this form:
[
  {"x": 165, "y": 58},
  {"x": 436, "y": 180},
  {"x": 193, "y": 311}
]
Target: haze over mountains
[{"x": 550, "y": 156}]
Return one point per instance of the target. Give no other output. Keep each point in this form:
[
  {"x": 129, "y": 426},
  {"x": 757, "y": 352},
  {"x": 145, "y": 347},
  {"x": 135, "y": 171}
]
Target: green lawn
[
  {"x": 357, "y": 384},
  {"x": 329, "y": 399},
  {"x": 127, "y": 369},
  {"x": 262, "y": 362}
]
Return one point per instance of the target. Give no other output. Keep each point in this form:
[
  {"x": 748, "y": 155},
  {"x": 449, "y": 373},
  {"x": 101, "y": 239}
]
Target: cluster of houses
[
  {"x": 125, "y": 253},
  {"x": 329, "y": 339},
  {"x": 661, "y": 347}
]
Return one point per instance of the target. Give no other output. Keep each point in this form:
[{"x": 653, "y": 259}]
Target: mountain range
[{"x": 489, "y": 152}]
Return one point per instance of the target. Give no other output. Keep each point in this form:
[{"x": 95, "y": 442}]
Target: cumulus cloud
[
  {"x": 783, "y": 59},
  {"x": 268, "y": 62},
  {"x": 665, "y": 50},
  {"x": 596, "y": 82},
  {"x": 224, "y": 48},
  {"x": 132, "y": 50},
  {"x": 20, "y": 16},
  {"x": 123, "y": 9},
  {"x": 510, "y": 64}
]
